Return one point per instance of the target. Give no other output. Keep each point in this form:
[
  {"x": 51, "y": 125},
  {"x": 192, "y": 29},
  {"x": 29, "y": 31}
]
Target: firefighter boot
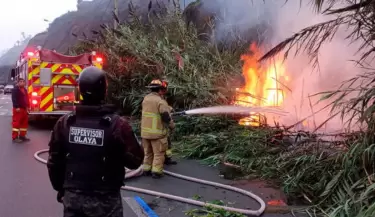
[
  {"x": 157, "y": 175},
  {"x": 24, "y": 138},
  {"x": 168, "y": 156},
  {"x": 147, "y": 173},
  {"x": 169, "y": 161},
  {"x": 159, "y": 146},
  {"x": 17, "y": 140}
]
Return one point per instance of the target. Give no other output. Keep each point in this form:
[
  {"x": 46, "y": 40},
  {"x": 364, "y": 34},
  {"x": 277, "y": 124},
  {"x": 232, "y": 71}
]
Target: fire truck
[{"x": 51, "y": 79}]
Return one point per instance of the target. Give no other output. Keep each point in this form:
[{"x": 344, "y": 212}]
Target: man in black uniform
[{"x": 88, "y": 151}]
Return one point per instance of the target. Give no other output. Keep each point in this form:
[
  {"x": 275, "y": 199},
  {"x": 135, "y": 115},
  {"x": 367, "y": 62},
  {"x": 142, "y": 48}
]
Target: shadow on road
[{"x": 43, "y": 124}]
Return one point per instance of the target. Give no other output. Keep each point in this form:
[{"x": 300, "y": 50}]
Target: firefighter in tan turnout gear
[
  {"x": 155, "y": 126},
  {"x": 168, "y": 153}
]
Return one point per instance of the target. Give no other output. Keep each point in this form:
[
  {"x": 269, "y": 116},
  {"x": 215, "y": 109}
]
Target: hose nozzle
[{"x": 179, "y": 113}]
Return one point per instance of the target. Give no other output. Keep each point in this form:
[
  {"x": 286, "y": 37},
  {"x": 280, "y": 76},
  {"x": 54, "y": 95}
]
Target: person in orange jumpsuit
[{"x": 20, "y": 100}]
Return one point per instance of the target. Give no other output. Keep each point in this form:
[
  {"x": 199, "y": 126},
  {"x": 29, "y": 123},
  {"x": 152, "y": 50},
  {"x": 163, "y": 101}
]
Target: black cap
[{"x": 92, "y": 84}]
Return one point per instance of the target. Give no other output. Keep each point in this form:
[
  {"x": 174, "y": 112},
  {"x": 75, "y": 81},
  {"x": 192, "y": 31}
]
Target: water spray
[{"x": 231, "y": 110}]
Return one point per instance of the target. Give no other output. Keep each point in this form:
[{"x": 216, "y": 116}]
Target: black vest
[{"x": 94, "y": 161}]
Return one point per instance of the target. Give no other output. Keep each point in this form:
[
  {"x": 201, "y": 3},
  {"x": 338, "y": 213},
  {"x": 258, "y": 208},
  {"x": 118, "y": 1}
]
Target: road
[{"x": 25, "y": 189}]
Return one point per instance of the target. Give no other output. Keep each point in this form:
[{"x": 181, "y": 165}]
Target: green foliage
[
  {"x": 347, "y": 187},
  {"x": 212, "y": 212},
  {"x": 139, "y": 51},
  {"x": 336, "y": 183}
]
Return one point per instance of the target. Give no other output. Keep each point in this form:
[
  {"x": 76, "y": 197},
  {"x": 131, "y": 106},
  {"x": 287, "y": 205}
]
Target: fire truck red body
[{"x": 51, "y": 79}]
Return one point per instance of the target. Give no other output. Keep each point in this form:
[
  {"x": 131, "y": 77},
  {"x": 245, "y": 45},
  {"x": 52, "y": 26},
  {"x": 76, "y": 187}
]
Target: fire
[{"x": 264, "y": 85}]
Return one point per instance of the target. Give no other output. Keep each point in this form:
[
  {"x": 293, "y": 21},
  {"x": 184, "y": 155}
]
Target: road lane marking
[
  {"x": 135, "y": 206},
  {"x": 145, "y": 207}
]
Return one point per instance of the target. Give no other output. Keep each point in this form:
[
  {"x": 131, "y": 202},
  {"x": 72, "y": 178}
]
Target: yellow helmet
[{"x": 157, "y": 83}]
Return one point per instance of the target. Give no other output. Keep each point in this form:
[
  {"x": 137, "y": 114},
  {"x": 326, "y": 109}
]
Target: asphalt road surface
[{"x": 25, "y": 190}]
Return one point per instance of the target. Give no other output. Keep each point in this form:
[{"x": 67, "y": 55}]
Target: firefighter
[
  {"x": 88, "y": 151},
  {"x": 168, "y": 153},
  {"x": 20, "y": 100},
  {"x": 155, "y": 126}
]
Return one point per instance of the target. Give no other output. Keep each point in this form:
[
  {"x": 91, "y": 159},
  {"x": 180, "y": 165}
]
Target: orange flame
[{"x": 264, "y": 85}]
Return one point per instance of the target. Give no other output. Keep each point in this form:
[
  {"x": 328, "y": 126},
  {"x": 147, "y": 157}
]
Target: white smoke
[{"x": 286, "y": 19}]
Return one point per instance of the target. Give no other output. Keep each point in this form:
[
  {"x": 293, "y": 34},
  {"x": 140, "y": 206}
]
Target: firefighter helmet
[
  {"x": 92, "y": 83},
  {"x": 158, "y": 84}
]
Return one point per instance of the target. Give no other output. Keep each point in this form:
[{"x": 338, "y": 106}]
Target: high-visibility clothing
[
  {"x": 20, "y": 101},
  {"x": 19, "y": 123},
  {"x": 152, "y": 127},
  {"x": 168, "y": 153},
  {"x": 154, "y": 132},
  {"x": 154, "y": 154}
]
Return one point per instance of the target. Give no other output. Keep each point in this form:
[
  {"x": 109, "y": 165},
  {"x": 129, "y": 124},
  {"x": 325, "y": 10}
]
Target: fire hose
[{"x": 139, "y": 171}]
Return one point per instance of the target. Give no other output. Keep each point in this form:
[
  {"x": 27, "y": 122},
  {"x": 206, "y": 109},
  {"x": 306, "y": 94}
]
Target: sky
[{"x": 28, "y": 16}]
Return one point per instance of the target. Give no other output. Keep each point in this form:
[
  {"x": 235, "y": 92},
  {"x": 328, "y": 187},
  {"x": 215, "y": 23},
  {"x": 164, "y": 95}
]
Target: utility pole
[{"x": 116, "y": 14}]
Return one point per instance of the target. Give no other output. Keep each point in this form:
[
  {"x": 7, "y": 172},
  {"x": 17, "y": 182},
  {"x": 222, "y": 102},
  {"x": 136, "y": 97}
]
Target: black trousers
[{"x": 93, "y": 204}]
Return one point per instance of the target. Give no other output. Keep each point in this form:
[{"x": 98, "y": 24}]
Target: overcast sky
[{"x": 28, "y": 16}]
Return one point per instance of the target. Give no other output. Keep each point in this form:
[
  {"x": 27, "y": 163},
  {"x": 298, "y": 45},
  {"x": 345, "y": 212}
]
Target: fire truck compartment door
[{"x": 45, "y": 76}]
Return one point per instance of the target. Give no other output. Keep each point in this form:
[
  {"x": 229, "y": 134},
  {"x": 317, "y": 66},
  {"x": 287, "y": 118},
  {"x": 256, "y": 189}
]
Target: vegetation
[
  {"x": 350, "y": 191},
  {"x": 334, "y": 181},
  {"x": 198, "y": 74},
  {"x": 212, "y": 212}
]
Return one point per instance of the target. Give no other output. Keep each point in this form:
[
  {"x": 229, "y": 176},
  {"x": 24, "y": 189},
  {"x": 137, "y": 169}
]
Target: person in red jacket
[{"x": 20, "y": 101}]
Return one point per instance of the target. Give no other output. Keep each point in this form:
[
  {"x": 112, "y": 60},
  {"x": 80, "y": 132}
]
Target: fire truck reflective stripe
[
  {"x": 68, "y": 77},
  {"x": 48, "y": 108},
  {"x": 63, "y": 79},
  {"x": 46, "y": 65},
  {"x": 65, "y": 70},
  {"x": 78, "y": 68},
  {"x": 36, "y": 80},
  {"x": 98, "y": 65},
  {"x": 47, "y": 99},
  {"x": 72, "y": 69},
  {"x": 30, "y": 88},
  {"x": 33, "y": 70},
  {"x": 43, "y": 90},
  {"x": 55, "y": 67}
]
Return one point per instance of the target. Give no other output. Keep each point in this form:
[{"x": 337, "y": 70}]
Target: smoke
[{"x": 283, "y": 19}]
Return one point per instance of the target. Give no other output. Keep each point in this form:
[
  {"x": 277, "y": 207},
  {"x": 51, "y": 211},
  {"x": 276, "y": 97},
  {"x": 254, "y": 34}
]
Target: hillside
[
  {"x": 66, "y": 30},
  {"x": 63, "y": 31},
  {"x": 60, "y": 33},
  {"x": 10, "y": 57}
]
